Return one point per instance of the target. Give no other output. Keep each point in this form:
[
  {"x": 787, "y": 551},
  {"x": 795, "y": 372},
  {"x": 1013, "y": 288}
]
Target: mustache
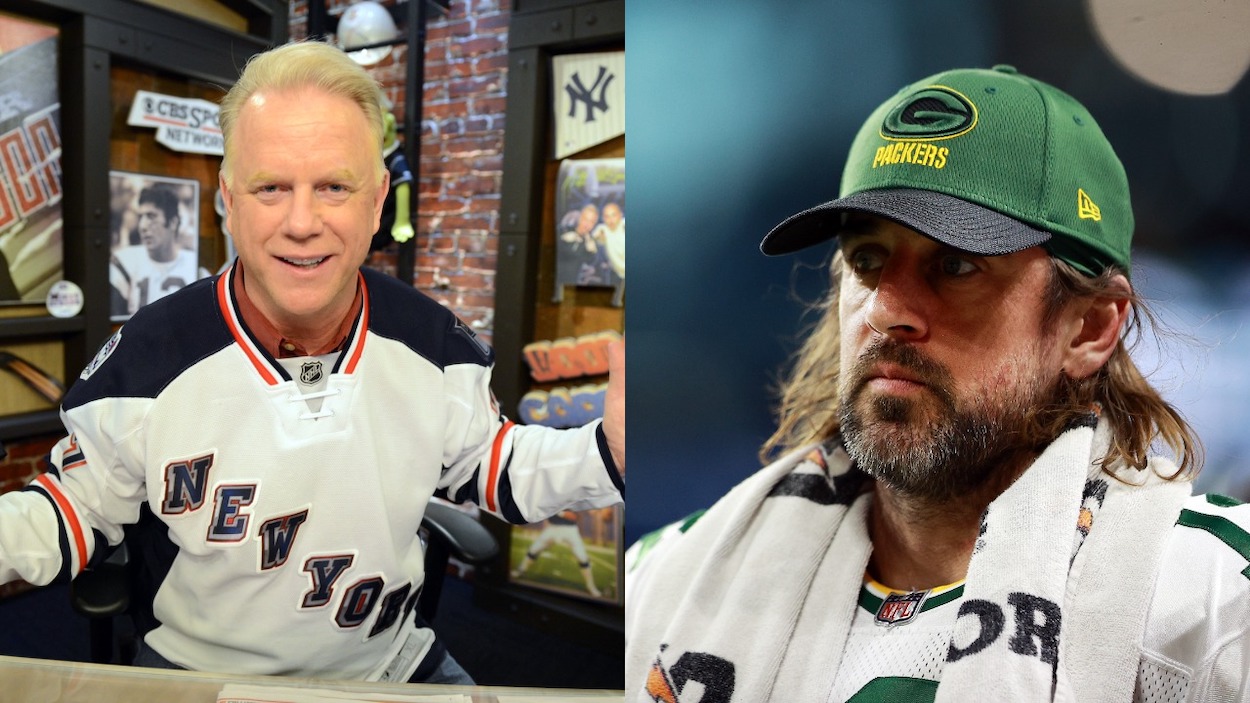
[{"x": 933, "y": 374}]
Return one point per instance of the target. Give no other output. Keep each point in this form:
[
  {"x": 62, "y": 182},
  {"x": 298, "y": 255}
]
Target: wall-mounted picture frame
[
  {"x": 590, "y": 225},
  {"x": 154, "y": 228},
  {"x": 30, "y": 170},
  {"x": 577, "y": 554}
]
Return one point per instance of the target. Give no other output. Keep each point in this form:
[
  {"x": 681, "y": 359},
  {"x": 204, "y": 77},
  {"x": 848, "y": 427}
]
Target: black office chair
[{"x": 121, "y": 586}]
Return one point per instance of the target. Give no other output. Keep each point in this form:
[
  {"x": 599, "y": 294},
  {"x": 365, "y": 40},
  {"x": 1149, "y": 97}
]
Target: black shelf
[
  {"x": 596, "y": 625},
  {"x": 35, "y": 326},
  {"x": 40, "y": 422}
]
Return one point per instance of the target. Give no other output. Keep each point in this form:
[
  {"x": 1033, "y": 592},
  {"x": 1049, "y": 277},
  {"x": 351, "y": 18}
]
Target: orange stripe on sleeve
[
  {"x": 492, "y": 478},
  {"x": 71, "y": 517},
  {"x": 70, "y": 450}
]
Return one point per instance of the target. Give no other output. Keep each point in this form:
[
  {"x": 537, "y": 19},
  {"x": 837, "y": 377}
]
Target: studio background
[{"x": 741, "y": 113}]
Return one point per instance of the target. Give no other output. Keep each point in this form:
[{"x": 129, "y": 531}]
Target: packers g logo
[{"x": 935, "y": 112}]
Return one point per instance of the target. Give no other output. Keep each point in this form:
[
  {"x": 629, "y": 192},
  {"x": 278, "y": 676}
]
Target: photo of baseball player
[{"x": 545, "y": 560}]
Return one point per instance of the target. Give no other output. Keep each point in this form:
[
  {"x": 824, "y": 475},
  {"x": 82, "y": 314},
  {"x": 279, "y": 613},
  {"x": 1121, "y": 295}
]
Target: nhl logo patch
[
  {"x": 101, "y": 356},
  {"x": 899, "y": 608},
  {"x": 310, "y": 372}
]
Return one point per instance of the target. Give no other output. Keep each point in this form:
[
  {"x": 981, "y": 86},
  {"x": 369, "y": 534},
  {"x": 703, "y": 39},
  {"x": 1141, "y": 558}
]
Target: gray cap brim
[{"x": 945, "y": 218}]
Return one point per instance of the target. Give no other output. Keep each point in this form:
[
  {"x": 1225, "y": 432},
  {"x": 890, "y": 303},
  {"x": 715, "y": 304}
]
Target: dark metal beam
[{"x": 414, "y": 103}]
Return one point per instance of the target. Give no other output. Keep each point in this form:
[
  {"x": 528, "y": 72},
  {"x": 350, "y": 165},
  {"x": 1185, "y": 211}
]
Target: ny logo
[{"x": 580, "y": 93}]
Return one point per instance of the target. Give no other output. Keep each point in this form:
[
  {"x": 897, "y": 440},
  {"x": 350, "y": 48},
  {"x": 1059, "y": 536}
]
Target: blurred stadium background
[{"x": 741, "y": 113}]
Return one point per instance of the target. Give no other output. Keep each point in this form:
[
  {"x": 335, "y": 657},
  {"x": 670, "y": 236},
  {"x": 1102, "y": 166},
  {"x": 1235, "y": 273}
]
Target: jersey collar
[
  {"x": 233, "y": 302},
  {"x": 872, "y": 595}
]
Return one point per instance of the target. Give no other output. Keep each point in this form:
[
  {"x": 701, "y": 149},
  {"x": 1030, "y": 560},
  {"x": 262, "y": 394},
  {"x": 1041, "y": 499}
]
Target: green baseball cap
[{"x": 987, "y": 161}]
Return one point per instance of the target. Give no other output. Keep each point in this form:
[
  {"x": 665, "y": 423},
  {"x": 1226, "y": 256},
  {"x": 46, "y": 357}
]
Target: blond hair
[
  {"x": 303, "y": 64},
  {"x": 808, "y": 410}
]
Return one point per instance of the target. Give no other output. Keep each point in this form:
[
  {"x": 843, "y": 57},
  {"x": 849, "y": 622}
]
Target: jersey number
[{"x": 168, "y": 284}]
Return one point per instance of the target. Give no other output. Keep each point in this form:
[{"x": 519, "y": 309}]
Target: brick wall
[
  {"x": 461, "y": 154},
  {"x": 24, "y": 462}
]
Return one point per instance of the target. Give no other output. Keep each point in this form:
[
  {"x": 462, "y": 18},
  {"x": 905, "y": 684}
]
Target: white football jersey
[
  {"x": 147, "y": 280},
  {"x": 1196, "y": 647}
]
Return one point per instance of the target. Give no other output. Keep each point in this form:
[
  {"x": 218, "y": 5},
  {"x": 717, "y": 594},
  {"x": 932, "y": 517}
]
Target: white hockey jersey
[
  {"x": 1196, "y": 647},
  {"x": 280, "y": 513}
]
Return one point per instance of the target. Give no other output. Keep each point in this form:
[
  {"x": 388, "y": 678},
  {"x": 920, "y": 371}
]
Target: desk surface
[{"x": 43, "y": 681}]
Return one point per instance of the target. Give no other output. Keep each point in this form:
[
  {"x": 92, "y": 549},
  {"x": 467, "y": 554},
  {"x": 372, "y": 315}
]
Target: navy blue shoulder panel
[
  {"x": 405, "y": 314},
  {"x": 156, "y": 345}
]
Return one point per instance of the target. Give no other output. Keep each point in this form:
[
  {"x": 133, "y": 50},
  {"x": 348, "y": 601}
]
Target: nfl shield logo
[
  {"x": 310, "y": 373},
  {"x": 899, "y": 608}
]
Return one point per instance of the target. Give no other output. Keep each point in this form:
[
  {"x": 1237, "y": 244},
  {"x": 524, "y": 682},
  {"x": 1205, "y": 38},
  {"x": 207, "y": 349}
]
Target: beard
[{"x": 937, "y": 446}]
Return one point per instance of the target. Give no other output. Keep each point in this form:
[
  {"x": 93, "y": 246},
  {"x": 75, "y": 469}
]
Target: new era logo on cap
[{"x": 1085, "y": 207}]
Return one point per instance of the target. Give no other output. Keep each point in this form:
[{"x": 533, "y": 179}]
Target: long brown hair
[{"x": 808, "y": 394}]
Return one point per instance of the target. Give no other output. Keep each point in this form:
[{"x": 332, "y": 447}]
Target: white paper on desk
[
  {"x": 590, "y": 698},
  {"x": 243, "y": 693}
]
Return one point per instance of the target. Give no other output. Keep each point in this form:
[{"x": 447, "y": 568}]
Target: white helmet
[{"x": 366, "y": 23}]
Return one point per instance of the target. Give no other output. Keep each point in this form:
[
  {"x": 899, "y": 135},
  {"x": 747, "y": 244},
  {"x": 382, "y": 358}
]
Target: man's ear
[
  {"x": 227, "y": 197},
  {"x": 1096, "y": 332},
  {"x": 384, "y": 187},
  {"x": 227, "y": 200}
]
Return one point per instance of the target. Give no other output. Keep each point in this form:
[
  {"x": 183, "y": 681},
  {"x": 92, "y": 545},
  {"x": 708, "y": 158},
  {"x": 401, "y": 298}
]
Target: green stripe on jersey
[
  {"x": 942, "y": 599},
  {"x": 868, "y": 601},
  {"x": 691, "y": 520},
  {"x": 872, "y": 603},
  {"x": 1224, "y": 530},
  {"x": 890, "y": 689},
  {"x": 646, "y": 542},
  {"x": 1222, "y": 501}
]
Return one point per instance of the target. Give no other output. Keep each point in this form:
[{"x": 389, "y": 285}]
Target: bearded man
[{"x": 965, "y": 504}]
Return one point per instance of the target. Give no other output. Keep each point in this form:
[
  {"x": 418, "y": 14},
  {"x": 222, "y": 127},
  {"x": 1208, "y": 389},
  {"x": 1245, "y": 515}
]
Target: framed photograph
[
  {"x": 155, "y": 229},
  {"x": 590, "y": 225},
  {"x": 30, "y": 171},
  {"x": 573, "y": 553}
]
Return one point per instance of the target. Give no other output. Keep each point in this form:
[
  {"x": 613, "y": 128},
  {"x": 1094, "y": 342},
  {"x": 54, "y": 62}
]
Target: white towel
[{"x": 1035, "y": 622}]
